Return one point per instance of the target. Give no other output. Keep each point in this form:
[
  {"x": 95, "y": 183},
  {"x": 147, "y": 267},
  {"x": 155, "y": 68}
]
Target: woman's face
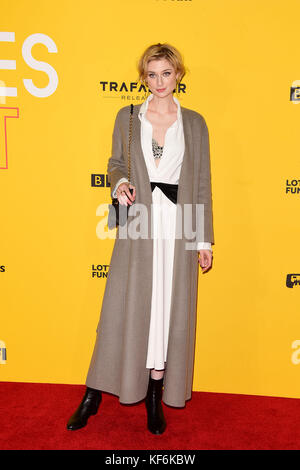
[{"x": 160, "y": 77}]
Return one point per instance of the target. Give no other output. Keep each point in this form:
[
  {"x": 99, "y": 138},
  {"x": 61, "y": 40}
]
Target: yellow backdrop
[{"x": 65, "y": 72}]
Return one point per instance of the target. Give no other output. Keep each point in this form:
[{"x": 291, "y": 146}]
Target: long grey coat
[{"x": 119, "y": 358}]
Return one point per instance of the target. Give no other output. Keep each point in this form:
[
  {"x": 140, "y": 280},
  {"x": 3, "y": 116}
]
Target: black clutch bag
[{"x": 118, "y": 213}]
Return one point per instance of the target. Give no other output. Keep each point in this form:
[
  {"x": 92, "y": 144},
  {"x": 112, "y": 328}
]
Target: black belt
[{"x": 170, "y": 190}]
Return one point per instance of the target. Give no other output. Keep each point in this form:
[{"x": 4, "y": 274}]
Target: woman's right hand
[{"x": 124, "y": 195}]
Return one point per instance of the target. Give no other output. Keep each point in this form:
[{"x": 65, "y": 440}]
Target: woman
[{"x": 146, "y": 333}]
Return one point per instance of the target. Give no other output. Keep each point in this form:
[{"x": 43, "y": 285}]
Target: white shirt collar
[{"x": 144, "y": 107}]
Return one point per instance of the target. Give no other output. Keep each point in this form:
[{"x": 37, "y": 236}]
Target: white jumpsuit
[{"x": 164, "y": 223}]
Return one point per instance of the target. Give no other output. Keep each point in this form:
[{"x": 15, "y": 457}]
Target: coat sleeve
[
  {"x": 116, "y": 167},
  {"x": 204, "y": 191}
]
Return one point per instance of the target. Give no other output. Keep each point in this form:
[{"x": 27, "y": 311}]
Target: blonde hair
[{"x": 161, "y": 51}]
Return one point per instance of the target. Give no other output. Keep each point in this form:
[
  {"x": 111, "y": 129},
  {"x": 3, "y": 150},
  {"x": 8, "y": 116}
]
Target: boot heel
[{"x": 89, "y": 406}]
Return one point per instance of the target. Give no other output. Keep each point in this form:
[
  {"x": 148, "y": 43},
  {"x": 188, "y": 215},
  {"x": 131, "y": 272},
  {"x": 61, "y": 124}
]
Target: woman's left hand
[{"x": 205, "y": 259}]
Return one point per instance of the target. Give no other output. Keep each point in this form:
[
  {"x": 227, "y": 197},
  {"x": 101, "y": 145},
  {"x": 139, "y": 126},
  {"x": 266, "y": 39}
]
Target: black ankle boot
[
  {"x": 156, "y": 420},
  {"x": 89, "y": 406}
]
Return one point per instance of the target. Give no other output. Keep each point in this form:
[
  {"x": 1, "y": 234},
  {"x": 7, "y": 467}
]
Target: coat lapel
[
  {"x": 187, "y": 158},
  {"x": 137, "y": 151}
]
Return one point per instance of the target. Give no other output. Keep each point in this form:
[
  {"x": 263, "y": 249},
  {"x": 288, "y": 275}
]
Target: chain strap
[{"x": 129, "y": 141}]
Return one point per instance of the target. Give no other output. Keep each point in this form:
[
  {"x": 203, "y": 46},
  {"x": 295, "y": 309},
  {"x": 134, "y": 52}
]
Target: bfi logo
[
  {"x": 2, "y": 352},
  {"x": 99, "y": 181},
  {"x": 295, "y": 92},
  {"x": 292, "y": 280}
]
